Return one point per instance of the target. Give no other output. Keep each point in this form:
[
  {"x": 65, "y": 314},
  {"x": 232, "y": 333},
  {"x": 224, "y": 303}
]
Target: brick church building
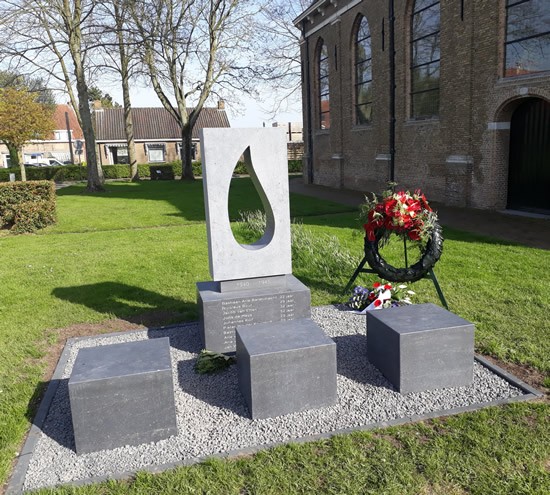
[{"x": 468, "y": 121}]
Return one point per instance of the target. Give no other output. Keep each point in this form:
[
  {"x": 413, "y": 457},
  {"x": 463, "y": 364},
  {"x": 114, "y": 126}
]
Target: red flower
[
  {"x": 387, "y": 286},
  {"x": 414, "y": 235},
  {"x": 376, "y": 285},
  {"x": 377, "y": 303},
  {"x": 390, "y": 207}
]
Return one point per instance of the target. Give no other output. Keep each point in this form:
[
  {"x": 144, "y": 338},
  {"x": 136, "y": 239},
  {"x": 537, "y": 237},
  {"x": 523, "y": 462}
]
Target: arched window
[
  {"x": 527, "y": 43},
  {"x": 425, "y": 55},
  {"x": 363, "y": 73},
  {"x": 323, "y": 85}
]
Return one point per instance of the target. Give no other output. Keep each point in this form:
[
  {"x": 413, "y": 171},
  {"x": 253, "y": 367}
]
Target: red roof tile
[{"x": 61, "y": 124}]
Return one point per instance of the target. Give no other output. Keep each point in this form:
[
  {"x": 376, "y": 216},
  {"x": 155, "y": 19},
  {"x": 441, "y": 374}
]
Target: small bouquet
[{"x": 379, "y": 296}]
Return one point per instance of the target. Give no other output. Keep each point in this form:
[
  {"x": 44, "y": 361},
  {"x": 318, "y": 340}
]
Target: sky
[{"x": 250, "y": 115}]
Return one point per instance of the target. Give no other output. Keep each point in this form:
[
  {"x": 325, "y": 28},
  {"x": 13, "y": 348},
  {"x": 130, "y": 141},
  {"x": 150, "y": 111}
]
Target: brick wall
[{"x": 459, "y": 158}]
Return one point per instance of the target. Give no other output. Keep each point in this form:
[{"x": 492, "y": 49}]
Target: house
[
  {"x": 156, "y": 133},
  {"x": 453, "y": 97},
  {"x": 57, "y": 145}
]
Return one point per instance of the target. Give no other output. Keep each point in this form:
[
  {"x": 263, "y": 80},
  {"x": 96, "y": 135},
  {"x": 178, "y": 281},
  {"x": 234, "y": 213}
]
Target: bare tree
[
  {"x": 119, "y": 56},
  {"x": 189, "y": 48},
  {"x": 51, "y": 36},
  {"x": 278, "y": 41}
]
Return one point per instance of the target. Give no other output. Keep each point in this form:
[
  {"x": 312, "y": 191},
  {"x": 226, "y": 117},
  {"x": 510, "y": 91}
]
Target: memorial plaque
[{"x": 222, "y": 312}]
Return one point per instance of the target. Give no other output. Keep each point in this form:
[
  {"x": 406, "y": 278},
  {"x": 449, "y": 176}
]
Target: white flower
[{"x": 385, "y": 295}]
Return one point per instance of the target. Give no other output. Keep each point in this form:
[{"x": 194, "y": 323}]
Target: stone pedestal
[
  {"x": 421, "y": 347},
  {"x": 225, "y": 305},
  {"x": 286, "y": 367},
  {"x": 122, "y": 394}
]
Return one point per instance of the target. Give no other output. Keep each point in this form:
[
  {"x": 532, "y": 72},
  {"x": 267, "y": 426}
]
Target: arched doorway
[{"x": 529, "y": 157}]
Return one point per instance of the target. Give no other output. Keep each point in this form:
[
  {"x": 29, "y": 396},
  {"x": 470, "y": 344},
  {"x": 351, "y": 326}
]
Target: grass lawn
[{"x": 138, "y": 249}]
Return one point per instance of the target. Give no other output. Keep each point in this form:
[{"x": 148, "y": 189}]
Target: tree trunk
[
  {"x": 19, "y": 155},
  {"x": 95, "y": 172},
  {"x": 129, "y": 130},
  {"x": 186, "y": 153},
  {"x": 125, "y": 73},
  {"x": 14, "y": 155}
]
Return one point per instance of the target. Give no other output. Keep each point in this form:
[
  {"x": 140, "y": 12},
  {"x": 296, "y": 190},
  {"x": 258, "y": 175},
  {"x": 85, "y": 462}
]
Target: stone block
[
  {"x": 264, "y": 153},
  {"x": 285, "y": 367},
  {"x": 221, "y": 312},
  {"x": 122, "y": 394},
  {"x": 421, "y": 347}
]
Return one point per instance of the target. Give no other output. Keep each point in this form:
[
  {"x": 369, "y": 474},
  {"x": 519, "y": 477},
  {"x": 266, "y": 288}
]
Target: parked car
[{"x": 45, "y": 162}]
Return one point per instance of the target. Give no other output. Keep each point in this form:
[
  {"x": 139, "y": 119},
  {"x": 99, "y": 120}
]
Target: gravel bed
[{"x": 212, "y": 417}]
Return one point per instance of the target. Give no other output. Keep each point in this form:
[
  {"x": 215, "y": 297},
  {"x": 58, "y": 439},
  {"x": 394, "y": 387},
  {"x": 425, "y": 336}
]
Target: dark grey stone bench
[
  {"x": 421, "y": 347},
  {"x": 122, "y": 394},
  {"x": 285, "y": 367}
]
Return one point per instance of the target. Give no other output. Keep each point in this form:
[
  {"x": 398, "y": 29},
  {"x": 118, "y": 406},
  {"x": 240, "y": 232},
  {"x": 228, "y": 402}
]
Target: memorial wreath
[{"x": 408, "y": 216}]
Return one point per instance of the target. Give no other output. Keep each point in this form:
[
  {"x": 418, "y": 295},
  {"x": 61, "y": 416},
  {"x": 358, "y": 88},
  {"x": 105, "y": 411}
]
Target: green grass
[
  {"x": 128, "y": 205},
  {"x": 141, "y": 247},
  {"x": 478, "y": 453}
]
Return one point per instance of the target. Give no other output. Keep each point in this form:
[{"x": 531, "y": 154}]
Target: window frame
[
  {"x": 413, "y": 67},
  {"x": 156, "y": 147},
  {"x": 356, "y": 64},
  {"x": 508, "y": 4},
  {"x": 323, "y": 58}
]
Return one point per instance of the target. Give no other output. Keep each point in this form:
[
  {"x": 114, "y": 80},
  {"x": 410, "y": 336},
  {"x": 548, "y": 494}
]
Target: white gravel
[{"x": 212, "y": 417}]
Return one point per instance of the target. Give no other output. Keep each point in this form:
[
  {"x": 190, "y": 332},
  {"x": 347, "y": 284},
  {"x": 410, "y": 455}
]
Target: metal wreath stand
[{"x": 422, "y": 269}]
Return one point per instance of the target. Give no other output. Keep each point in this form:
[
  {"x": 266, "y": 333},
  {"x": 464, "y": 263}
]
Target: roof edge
[{"x": 308, "y": 11}]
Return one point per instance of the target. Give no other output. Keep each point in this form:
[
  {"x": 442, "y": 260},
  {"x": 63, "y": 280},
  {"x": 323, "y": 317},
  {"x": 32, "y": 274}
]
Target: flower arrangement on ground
[
  {"x": 408, "y": 215},
  {"x": 379, "y": 296}
]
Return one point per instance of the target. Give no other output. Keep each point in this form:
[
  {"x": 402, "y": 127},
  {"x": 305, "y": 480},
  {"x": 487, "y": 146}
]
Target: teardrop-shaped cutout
[{"x": 248, "y": 207}]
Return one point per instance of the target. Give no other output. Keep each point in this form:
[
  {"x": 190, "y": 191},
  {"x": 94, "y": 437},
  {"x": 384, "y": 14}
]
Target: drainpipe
[
  {"x": 309, "y": 134},
  {"x": 392, "y": 88}
]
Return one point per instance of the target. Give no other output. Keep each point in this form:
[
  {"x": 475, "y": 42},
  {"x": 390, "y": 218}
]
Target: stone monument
[
  {"x": 251, "y": 283},
  {"x": 255, "y": 306}
]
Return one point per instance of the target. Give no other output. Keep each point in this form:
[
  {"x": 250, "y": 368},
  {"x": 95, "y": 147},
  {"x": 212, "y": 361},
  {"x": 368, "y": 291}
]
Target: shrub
[
  {"x": 78, "y": 172},
  {"x": 27, "y": 206},
  {"x": 240, "y": 168},
  {"x": 295, "y": 166},
  {"x": 117, "y": 171},
  {"x": 57, "y": 174}
]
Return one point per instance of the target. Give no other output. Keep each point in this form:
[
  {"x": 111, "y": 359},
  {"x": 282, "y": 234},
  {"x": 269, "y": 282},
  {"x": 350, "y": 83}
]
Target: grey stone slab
[
  {"x": 265, "y": 154},
  {"x": 421, "y": 347},
  {"x": 286, "y": 367},
  {"x": 252, "y": 283},
  {"x": 221, "y": 312},
  {"x": 122, "y": 394}
]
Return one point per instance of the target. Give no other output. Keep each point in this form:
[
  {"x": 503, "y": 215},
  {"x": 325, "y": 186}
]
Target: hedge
[
  {"x": 27, "y": 206},
  {"x": 78, "y": 172}
]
